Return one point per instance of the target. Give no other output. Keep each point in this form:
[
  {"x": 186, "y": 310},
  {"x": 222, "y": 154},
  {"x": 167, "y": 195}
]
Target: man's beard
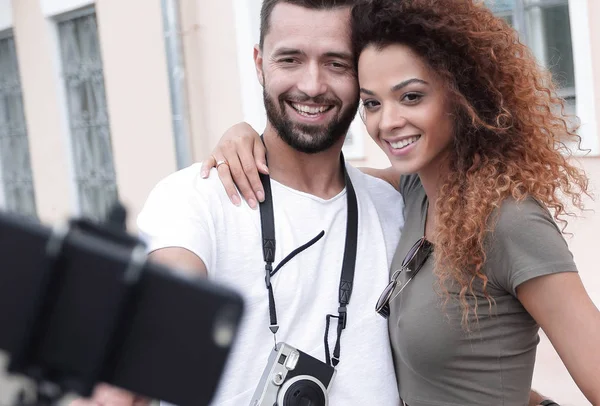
[{"x": 306, "y": 138}]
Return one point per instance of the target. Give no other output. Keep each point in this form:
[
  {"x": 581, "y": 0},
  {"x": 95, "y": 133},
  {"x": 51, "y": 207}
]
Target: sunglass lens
[
  {"x": 383, "y": 304},
  {"x": 411, "y": 253},
  {"x": 384, "y": 311}
]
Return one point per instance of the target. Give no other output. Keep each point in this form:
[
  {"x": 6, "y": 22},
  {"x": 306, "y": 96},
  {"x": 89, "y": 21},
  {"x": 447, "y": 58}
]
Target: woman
[{"x": 476, "y": 130}]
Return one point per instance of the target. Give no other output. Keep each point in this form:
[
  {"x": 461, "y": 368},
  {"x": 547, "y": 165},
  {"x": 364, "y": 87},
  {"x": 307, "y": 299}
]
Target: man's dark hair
[{"x": 268, "y": 6}]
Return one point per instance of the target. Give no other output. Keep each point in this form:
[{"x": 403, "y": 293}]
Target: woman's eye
[
  {"x": 370, "y": 104},
  {"x": 412, "y": 97}
]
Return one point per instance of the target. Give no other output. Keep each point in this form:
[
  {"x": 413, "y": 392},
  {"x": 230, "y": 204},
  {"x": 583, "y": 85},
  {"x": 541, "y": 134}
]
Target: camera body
[{"x": 292, "y": 378}]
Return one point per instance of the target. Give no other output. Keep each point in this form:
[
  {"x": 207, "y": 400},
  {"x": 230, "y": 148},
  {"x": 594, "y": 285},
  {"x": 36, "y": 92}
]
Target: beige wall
[
  {"x": 594, "y": 15},
  {"x": 137, "y": 92},
  {"x": 587, "y": 235},
  {"x": 211, "y": 71},
  {"x": 586, "y": 229}
]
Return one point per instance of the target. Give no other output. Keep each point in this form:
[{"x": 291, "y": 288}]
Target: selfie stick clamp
[{"x": 50, "y": 388}]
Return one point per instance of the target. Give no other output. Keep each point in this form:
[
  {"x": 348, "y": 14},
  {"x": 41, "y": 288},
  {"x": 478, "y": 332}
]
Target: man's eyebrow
[
  {"x": 341, "y": 55},
  {"x": 287, "y": 52},
  {"x": 295, "y": 52}
]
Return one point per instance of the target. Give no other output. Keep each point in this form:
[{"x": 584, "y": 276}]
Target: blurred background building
[{"x": 101, "y": 99}]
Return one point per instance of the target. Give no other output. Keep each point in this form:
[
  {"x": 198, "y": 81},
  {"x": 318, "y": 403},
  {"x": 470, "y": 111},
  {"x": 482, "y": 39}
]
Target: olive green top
[{"x": 437, "y": 362}]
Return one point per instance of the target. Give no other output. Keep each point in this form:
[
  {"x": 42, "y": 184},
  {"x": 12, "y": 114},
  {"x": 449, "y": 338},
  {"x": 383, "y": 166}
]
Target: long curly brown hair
[{"x": 511, "y": 130}]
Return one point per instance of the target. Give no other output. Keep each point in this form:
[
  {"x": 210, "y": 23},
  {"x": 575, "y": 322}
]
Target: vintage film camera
[{"x": 293, "y": 378}]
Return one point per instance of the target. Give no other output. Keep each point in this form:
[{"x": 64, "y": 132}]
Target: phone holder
[
  {"x": 91, "y": 309},
  {"x": 51, "y": 384}
]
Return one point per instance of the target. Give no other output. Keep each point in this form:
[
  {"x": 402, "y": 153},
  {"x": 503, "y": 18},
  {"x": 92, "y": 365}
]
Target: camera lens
[{"x": 304, "y": 393}]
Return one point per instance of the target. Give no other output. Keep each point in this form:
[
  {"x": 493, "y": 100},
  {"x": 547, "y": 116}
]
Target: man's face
[{"x": 307, "y": 72}]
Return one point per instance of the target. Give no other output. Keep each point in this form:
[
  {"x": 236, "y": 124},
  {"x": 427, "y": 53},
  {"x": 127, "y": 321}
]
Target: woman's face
[{"x": 405, "y": 108}]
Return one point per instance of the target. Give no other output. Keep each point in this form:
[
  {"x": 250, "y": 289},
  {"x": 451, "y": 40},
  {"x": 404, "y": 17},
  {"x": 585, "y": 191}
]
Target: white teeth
[
  {"x": 403, "y": 143},
  {"x": 309, "y": 109}
]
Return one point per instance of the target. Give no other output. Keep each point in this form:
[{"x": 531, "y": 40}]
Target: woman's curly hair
[{"x": 510, "y": 128}]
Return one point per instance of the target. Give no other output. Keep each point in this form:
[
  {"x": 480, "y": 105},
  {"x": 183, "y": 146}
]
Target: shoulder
[
  {"x": 385, "y": 199},
  {"x": 180, "y": 212},
  {"x": 187, "y": 179},
  {"x": 524, "y": 216},
  {"x": 183, "y": 194},
  {"x": 188, "y": 183},
  {"x": 375, "y": 186},
  {"x": 525, "y": 242}
]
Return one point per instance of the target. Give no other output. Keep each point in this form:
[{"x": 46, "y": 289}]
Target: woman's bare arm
[{"x": 561, "y": 306}]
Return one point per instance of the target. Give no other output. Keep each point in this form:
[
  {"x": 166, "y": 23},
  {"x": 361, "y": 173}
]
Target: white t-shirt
[{"x": 187, "y": 211}]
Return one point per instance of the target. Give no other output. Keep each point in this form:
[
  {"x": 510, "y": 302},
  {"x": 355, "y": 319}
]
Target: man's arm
[{"x": 180, "y": 259}]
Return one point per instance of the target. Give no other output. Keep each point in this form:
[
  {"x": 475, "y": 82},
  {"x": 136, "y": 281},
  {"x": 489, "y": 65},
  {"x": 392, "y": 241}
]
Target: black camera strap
[{"x": 348, "y": 264}]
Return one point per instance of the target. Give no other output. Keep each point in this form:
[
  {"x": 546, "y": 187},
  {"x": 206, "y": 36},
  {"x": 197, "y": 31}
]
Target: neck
[{"x": 318, "y": 174}]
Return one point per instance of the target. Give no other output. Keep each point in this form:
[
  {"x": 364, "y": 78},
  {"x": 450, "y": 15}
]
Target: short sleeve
[
  {"x": 525, "y": 243},
  {"x": 409, "y": 183},
  {"x": 176, "y": 214}
]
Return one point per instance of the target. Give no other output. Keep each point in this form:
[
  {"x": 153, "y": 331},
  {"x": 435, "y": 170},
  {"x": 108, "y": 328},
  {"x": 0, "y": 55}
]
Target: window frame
[
  {"x": 4, "y": 33},
  {"x": 583, "y": 70},
  {"x": 7, "y": 34},
  {"x": 78, "y": 200}
]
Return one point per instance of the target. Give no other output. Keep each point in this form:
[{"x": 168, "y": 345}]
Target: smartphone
[{"x": 72, "y": 316}]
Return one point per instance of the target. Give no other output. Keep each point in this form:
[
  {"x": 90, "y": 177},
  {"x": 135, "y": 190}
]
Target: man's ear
[{"x": 258, "y": 65}]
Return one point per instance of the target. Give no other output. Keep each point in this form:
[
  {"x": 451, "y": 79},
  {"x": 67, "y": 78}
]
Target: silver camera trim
[
  {"x": 273, "y": 380},
  {"x": 281, "y": 393}
]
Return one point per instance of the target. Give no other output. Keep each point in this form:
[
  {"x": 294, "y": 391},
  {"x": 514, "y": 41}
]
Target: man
[{"x": 305, "y": 64}]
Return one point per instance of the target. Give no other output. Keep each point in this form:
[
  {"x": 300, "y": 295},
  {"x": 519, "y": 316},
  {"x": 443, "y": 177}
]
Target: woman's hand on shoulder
[{"x": 239, "y": 156}]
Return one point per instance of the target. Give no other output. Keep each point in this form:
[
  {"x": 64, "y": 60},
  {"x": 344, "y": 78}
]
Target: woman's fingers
[
  {"x": 238, "y": 157},
  {"x": 207, "y": 165}
]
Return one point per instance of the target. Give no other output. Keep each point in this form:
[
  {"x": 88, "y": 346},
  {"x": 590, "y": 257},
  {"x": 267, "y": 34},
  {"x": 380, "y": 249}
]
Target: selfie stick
[{"x": 51, "y": 386}]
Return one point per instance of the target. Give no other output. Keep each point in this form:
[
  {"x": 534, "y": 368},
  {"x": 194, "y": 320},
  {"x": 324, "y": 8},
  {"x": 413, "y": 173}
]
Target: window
[
  {"x": 15, "y": 164},
  {"x": 544, "y": 26},
  {"x": 88, "y": 116}
]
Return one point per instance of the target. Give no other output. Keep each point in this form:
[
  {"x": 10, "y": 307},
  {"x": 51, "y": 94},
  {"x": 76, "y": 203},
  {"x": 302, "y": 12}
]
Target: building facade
[{"x": 101, "y": 99}]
